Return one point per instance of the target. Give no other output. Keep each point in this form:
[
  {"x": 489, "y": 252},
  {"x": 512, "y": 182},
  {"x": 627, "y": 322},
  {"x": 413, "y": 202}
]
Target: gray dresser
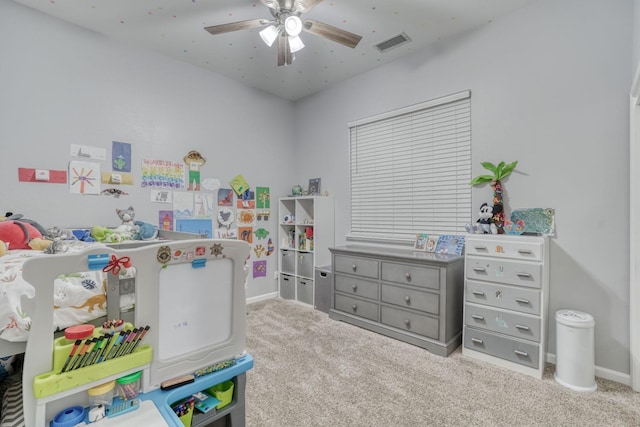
[
  {"x": 416, "y": 297},
  {"x": 506, "y": 295}
]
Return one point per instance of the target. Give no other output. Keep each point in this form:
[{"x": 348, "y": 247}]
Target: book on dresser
[{"x": 506, "y": 301}]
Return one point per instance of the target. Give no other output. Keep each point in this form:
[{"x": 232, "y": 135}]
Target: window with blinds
[{"x": 410, "y": 171}]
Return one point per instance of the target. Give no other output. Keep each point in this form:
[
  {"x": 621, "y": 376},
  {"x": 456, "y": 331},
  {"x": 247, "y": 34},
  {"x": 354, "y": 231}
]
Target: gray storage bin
[
  {"x": 304, "y": 288},
  {"x": 287, "y": 287},
  {"x": 288, "y": 261},
  {"x": 322, "y": 288},
  {"x": 305, "y": 264}
]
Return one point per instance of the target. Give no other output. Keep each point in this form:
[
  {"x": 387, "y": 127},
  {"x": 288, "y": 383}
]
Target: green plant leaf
[
  {"x": 481, "y": 179},
  {"x": 506, "y": 170},
  {"x": 489, "y": 166}
]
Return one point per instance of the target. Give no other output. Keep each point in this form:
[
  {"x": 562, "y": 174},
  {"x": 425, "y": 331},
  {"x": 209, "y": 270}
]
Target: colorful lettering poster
[
  {"x": 120, "y": 156},
  {"x": 263, "y": 198},
  {"x": 162, "y": 174},
  {"x": 84, "y": 177}
]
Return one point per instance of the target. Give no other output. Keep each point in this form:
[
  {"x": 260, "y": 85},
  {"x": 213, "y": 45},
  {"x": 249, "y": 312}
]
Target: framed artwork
[
  {"x": 420, "y": 242},
  {"x": 450, "y": 245},
  {"x": 314, "y": 186},
  {"x": 431, "y": 243}
]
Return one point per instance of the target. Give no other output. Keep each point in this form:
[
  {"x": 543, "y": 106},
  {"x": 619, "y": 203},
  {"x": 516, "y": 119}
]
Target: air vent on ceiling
[{"x": 394, "y": 41}]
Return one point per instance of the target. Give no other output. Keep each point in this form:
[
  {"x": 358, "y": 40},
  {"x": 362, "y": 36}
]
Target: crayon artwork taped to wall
[
  {"x": 246, "y": 200},
  {"x": 227, "y": 233},
  {"x": 120, "y": 156},
  {"x": 263, "y": 198},
  {"x": 84, "y": 177},
  {"x": 202, "y": 227},
  {"x": 246, "y": 234},
  {"x": 182, "y": 205},
  {"x": 225, "y": 197},
  {"x": 162, "y": 174},
  {"x": 203, "y": 207},
  {"x": 246, "y": 217},
  {"x": 259, "y": 269},
  {"x": 165, "y": 220},
  {"x": 239, "y": 184}
]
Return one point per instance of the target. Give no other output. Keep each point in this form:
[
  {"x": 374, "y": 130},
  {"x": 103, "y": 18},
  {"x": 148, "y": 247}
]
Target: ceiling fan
[{"x": 286, "y": 25}]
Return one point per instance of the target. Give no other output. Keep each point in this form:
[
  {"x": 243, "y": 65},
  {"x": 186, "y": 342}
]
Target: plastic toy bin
[
  {"x": 129, "y": 386},
  {"x": 223, "y": 392}
]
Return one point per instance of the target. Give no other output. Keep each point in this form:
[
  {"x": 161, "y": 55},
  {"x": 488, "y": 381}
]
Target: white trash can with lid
[{"x": 575, "y": 358}]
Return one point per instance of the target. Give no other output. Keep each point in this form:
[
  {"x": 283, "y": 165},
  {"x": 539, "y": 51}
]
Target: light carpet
[{"x": 310, "y": 370}]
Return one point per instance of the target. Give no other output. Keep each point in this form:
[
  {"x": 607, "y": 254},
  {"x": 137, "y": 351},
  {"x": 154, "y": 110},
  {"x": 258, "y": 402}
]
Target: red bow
[{"x": 116, "y": 264}]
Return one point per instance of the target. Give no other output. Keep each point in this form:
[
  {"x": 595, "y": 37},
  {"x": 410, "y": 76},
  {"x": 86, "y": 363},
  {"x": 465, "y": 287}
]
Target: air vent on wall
[{"x": 394, "y": 41}]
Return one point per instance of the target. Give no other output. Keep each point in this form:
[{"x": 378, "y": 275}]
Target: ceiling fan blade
[
  {"x": 332, "y": 33},
  {"x": 304, "y": 6},
  {"x": 285, "y": 57},
  {"x": 235, "y": 26}
]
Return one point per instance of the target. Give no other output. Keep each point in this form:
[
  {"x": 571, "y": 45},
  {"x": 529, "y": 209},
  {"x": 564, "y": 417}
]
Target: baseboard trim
[
  {"x": 263, "y": 297},
  {"x": 607, "y": 374}
]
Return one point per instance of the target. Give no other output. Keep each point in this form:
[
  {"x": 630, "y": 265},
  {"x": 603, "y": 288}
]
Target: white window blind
[{"x": 410, "y": 170}]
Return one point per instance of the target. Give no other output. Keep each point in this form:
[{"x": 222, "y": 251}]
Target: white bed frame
[{"x": 212, "y": 330}]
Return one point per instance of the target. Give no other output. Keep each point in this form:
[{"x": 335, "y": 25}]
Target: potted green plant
[{"x": 500, "y": 172}]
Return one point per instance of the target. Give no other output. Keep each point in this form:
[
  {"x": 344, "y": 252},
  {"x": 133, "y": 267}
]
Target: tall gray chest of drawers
[
  {"x": 506, "y": 299},
  {"x": 415, "y": 297}
]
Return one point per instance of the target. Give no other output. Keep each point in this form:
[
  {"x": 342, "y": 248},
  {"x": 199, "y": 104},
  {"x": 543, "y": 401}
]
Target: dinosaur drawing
[{"x": 96, "y": 300}]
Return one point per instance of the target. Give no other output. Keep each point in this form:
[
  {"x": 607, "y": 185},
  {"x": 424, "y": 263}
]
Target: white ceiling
[{"x": 176, "y": 28}]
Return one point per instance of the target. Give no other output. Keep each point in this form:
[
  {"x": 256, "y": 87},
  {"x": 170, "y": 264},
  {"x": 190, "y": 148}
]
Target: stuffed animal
[
  {"x": 18, "y": 234},
  {"x": 146, "y": 231},
  {"x": 3, "y": 248},
  {"x": 39, "y": 244},
  {"x": 128, "y": 230},
  {"x": 484, "y": 224}
]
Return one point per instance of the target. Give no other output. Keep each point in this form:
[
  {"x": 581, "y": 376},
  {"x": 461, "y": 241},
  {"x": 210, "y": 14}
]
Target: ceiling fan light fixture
[
  {"x": 293, "y": 25},
  {"x": 295, "y": 44},
  {"x": 269, "y": 35}
]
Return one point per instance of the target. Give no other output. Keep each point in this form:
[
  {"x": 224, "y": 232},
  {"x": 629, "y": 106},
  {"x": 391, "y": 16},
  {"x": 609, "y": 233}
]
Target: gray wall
[
  {"x": 61, "y": 85},
  {"x": 550, "y": 87}
]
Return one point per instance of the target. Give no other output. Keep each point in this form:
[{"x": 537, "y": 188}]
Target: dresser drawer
[
  {"x": 525, "y": 300},
  {"x": 429, "y": 277},
  {"x": 410, "y": 298},
  {"x": 355, "y": 286},
  {"x": 524, "y": 326},
  {"x": 410, "y": 322},
  {"x": 357, "y": 266},
  {"x": 518, "y": 248},
  {"x": 504, "y": 347},
  {"x": 504, "y": 271},
  {"x": 356, "y": 306}
]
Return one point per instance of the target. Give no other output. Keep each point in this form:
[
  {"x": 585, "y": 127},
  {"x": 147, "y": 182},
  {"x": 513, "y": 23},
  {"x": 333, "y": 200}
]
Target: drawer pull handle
[
  {"x": 407, "y": 276},
  {"x": 354, "y": 307},
  {"x": 525, "y": 251},
  {"x": 479, "y": 269},
  {"x": 477, "y": 317},
  {"x": 522, "y": 301},
  {"x": 478, "y": 293},
  {"x": 355, "y": 288},
  {"x": 407, "y": 299},
  {"x": 477, "y": 341},
  {"x": 521, "y": 353},
  {"x": 522, "y": 327},
  {"x": 407, "y": 323},
  {"x": 523, "y": 275},
  {"x": 480, "y": 248},
  {"x": 354, "y": 267}
]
